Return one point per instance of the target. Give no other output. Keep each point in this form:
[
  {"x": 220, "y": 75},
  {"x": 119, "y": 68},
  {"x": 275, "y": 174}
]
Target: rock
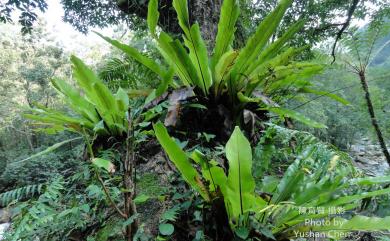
[
  {"x": 4, "y": 227},
  {"x": 361, "y": 154},
  {"x": 5, "y": 216},
  {"x": 369, "y": 158},
  {"x": 362, "y": 160}
]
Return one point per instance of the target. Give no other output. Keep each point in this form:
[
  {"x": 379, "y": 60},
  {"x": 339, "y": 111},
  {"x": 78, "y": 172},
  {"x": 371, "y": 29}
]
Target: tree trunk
[
  {"x": 128, "y": 182},
  {"x": 130, "y": 209},
  {"x": 205, "y": 12},
  {"x": 372, "y": 116}
]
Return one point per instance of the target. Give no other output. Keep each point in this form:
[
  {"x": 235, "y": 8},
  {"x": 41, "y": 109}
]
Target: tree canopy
[{"x": 325, "y": 19}]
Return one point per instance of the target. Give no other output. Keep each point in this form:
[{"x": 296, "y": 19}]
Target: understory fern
[
  {"x": 36, "y": 218},
  {"x": 19, "y": 194}
]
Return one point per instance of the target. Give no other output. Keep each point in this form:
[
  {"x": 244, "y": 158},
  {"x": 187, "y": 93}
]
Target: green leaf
[
  {"x": 166, "y": 229},
  {"x": 289, "y": 183},
  {"x": 370, "y": 180},
  {"x": 141, "y": 199},
  {"x": 135, "y": 54},
  {"x": 325, "y": 93},
  {"x": 240, "y": 183},
  {"x": 130, "y": 220},
  {"x": 170, "y": 214},
  {"x": 174, "y": 52},
  {"x": 122, "y": 100},
  {"x": 224, "y": 65},
  {"x": 166, "y": 81},
  {"x": 77, "y": 102},
  {"x": 46, "y": 151},
  {"x": 199, "y": 57},
  {"x": 153, "y": 16},
  {"x": 256, "y": 43},
  {"x": 108, "y": 108},
  {"x": 84, "y": 76},
  {"x": 206, "y": 167},
  {"x": 273, "y": 49},
  {"x": 180, "y": 159},
  {"x": 197, "y": 106},
  {"x": 181, "y": 7},
  {"x": 99, "y": 94},
  {"x": 105, "y": 164},
  {"x": 267, "y": 233},
  {"x": 352, "y": 198},
  {"x": 242, "y": 232},
  {"x": 296, "y": 116},
  {"x": 245, "y": 99},
  {"x": 357, "y": 223},
  {"x": 56, "y": 119},
  {"x": 230, "y": 11},
  {"x": 196, "y": 45},
  {"x": 99, "y": 128},
  {"x": 262, "y": 70}
]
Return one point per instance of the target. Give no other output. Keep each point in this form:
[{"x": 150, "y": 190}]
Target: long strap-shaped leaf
[
  {"x": 98, "y": 94},
  {"x": 175, "y": 53},
  {"x": 172, "y": 50},
  {"x": 357, "y": 223},
  {"x": 257, "y": 42},
  {"x": 296, "y": 116},
  {"x": 240, "y": 183},
  {"x": 230, "y": 11},
  {"x": 195, "y": 43},
  {"x": 199, "y": 57},
  {"x": 78, "y": 103},
  {"x": 181, "y": 7},
  {"x": 47, "y": 150},
  {"x": 273, "y": 49},
  {"x": 50, "y": 116},
  {"x": 180, "y": 159},
  {"x": 135, "y": 54},
  {"x": 370, "y": 180},
  {"x": 324, "y": 93},
  {"x": 289, "y": 183},
  {"x": 357, "y": 197},
  {"x": 153, "y": 16}
]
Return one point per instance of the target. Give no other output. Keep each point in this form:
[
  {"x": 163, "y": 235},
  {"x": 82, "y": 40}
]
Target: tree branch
[
  {"x": 350, "y": 12},
  {"x": 109, "y": 196},
  {"x": 327, "y": 26},
  {"x": 90, "y": 150}
]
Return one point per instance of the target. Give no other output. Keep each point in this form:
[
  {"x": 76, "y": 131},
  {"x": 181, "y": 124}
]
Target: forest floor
[{"x": 366, "y": 156}]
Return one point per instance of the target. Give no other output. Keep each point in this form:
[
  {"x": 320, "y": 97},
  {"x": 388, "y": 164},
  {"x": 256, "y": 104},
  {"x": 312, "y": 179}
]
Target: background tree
[
  {"x": 27, "y": 64},
  {"x": 325, "y": 18},
  {"x": 363, "y": 47}
]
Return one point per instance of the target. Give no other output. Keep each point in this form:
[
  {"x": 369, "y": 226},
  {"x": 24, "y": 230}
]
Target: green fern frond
[
  {"x": 170, "y": 214},
  {"x": 25, "y": 192},
  {"x": 118, "y": 69}
]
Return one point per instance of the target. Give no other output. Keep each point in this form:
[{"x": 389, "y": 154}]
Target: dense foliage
[{"x": 191, "y": 137}]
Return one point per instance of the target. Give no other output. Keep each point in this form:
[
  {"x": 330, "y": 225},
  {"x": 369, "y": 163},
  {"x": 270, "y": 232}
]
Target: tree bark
[
  {"x": 373, "y": 117},
  {"x": 128, "y": 182},
  {"x": 205, "y": 12}
]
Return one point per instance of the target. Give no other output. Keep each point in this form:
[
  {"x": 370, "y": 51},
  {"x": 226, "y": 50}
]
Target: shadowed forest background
[{"x": 195, "y": 120}]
